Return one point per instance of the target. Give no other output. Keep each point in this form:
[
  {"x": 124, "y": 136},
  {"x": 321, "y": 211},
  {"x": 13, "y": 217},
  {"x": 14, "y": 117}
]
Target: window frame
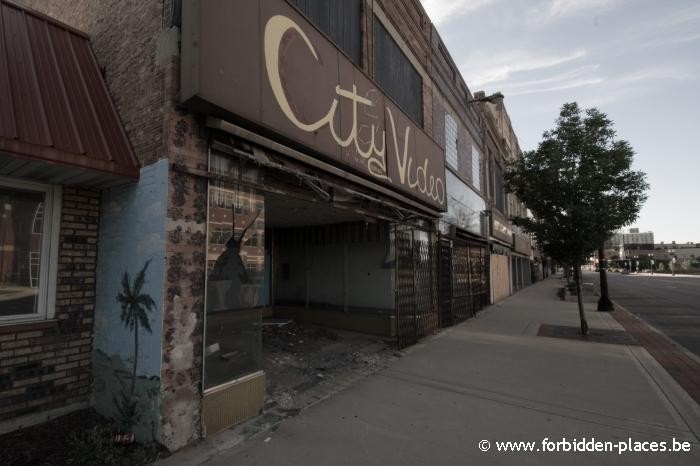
[
  {"x": 419, "y": 119},
  {"x": 476, "y": 181},
  {"x": 357, "y": 61},
  {"x": 452, "y": 123},
  {"x": 48, "y": 267}
]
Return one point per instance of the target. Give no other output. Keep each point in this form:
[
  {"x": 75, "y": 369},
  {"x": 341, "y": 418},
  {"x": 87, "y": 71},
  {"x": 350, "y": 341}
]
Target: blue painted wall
[{"x": 132, "y": 231}]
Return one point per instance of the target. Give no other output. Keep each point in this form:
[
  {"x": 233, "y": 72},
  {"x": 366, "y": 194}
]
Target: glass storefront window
[
  {"x": 26, "y": 226},
  {"x": 235, "y": 276},
  {"x": 464, "y": 206}
]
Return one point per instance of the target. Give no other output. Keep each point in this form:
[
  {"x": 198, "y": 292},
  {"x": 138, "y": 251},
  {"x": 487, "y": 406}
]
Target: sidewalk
[{"x": 491, "y": 378}]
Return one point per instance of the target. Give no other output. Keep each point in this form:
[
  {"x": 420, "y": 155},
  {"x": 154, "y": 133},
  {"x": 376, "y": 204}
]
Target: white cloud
[
  {"x": 500, "y": 68},
  {"x": 441, "y": 11},
  {"x": 559, "y": 8},
  {"x": 566, "y": 76},
  {"x": 578, "y": 77},
  {"x": 559, "y": 87}
]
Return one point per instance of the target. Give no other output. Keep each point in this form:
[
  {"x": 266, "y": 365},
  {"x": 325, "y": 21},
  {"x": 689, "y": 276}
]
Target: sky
[{"x": 638, "y": 61}]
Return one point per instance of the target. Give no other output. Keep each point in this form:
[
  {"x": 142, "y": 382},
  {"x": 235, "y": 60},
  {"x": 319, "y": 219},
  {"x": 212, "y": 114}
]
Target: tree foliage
[{"x": 579, "y": 184}]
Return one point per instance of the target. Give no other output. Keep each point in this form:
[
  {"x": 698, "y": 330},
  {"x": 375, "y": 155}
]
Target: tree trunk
[
  {"x": 604, "y": 303},
  {"x": 581, "y": 312},
  {"x": 136, "y": 358}
]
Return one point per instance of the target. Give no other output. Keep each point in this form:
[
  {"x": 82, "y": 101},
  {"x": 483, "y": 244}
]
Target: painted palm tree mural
[{"x": 135, "y": 309}]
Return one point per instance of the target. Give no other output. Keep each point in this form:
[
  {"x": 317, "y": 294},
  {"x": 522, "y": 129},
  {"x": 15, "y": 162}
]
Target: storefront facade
[
  {"x": 290, "y": 168},
  {"x": 327, "y": 168}
]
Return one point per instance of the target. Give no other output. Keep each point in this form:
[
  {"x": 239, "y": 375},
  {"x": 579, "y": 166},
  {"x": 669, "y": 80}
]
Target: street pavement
[
  {"x": 669, "y": 304},
  {"x": 490, "y": 379}
]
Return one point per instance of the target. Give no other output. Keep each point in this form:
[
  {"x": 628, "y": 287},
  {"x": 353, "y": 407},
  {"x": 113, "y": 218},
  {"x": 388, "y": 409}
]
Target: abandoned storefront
[
  {"x": 323, "y": 195},
  {"x": 289, "y": 173},
  {"x": 463, "y": 253}
]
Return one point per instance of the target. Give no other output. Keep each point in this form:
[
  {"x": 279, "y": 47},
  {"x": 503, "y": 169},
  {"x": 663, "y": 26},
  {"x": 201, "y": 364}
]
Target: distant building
[
  {"x": 674, "y": 245},
  {"x": 634, "y": 240}
]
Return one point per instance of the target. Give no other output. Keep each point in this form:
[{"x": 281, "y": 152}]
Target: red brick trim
[
  {"x": 27, "y": 326},
  {"x": 684, "y": 368}
]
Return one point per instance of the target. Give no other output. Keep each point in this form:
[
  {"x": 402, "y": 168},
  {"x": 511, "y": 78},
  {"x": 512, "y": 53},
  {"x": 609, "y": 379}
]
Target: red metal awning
[{"x": 57, "y": 119}]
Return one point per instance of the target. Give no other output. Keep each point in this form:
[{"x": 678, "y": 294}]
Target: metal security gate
[
  {"x": 479, "y": 274},
  {"x": 406, "y": 326},
  {"x": 416, "y": 284},
  {"x": 462, "y": 306},
  {"x": 463, "y": 280},
  {"x": 445, "y": 281}
]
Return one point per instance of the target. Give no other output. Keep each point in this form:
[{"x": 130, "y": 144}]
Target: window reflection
[
  {"x": 235, "y": 263},
  {"x": 21, "y": 231},
  {"x": 464, "y": 206}
]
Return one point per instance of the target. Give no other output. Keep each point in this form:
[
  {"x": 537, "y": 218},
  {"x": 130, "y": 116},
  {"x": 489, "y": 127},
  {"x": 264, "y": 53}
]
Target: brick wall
[
  {"x": 181, "y": 370},
  {"x": 124, "y": 35},
  {"x": 46, "y": 365}
]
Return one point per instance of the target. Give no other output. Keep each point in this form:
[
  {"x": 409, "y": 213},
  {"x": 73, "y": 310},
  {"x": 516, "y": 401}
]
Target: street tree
[{"x": 580, "y": 188}]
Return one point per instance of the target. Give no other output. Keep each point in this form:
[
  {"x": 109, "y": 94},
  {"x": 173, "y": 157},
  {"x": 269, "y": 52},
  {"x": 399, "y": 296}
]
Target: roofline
[{"x": 45, "y": 17}]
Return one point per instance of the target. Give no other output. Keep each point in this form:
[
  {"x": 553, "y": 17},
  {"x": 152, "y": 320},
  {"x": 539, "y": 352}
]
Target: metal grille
[
  {"x": 445, "y": 282},
  {"x": 462, "y": 307},
  {"x": 416, "y": 285},
  {"x": 406, "y": 328},
  {"x": 426, "y": 284},
  {"x": 463, "y": 280},
  {"x": 478, "y": 264}
]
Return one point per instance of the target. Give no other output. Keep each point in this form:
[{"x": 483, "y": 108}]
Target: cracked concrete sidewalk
[{"x": 490, "y": 378}]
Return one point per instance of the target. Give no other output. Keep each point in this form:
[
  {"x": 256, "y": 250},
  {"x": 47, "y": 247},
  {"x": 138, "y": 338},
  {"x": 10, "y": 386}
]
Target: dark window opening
[
  {"x": 396, "y": 75},
  {"x": 499, "y": 193},
  {"x": 340, "y": 21}
]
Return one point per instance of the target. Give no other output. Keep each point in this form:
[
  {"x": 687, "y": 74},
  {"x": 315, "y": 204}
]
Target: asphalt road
[{"x": 670, "y": 304}]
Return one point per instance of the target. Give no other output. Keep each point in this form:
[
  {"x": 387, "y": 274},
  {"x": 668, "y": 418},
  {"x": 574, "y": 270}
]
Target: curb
[{"x": 674, "y": 369}]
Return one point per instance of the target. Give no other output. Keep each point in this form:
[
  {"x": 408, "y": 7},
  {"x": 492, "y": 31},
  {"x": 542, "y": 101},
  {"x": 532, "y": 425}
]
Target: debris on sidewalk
[{"x": 299, "y": 357}]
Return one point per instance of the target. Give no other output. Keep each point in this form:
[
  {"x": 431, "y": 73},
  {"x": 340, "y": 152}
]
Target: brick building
[{"x": 308, "y": 159}]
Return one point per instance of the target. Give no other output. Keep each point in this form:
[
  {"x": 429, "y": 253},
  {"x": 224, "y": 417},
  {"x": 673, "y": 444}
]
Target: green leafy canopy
[{"x": 579, "y": 185}]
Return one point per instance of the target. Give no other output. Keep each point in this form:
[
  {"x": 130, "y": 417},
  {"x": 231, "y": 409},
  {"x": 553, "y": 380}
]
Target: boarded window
[
  {"x": 476, "y": 168},
  {"x": 499, "y": 193},
  {"x": 451, "y": 141},
  {"x": 396, "y": 75},
  {"x": 340, "y": 21}
]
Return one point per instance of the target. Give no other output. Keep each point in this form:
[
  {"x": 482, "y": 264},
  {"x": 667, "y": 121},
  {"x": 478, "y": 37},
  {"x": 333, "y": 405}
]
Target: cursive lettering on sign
[{"x": 415, "y": 177}]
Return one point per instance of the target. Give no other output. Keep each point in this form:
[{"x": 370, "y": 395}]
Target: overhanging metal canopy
[{"x": 57, "y": 120}]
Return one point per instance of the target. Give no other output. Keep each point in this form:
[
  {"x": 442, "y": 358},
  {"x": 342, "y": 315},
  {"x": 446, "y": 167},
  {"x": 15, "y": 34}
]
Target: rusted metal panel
[
  {"x": 264, "y": 66},
  {"x": 54, "y": 104}
]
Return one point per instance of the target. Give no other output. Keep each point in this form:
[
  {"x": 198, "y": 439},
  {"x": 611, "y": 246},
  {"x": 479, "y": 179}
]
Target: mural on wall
[
  {"x": 129, "y": 303},
  {"x": 135, "y": 306}
]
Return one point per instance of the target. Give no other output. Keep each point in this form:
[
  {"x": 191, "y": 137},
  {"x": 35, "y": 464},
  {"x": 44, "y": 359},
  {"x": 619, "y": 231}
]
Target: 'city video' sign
[{"x": 263, "y": 63}]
